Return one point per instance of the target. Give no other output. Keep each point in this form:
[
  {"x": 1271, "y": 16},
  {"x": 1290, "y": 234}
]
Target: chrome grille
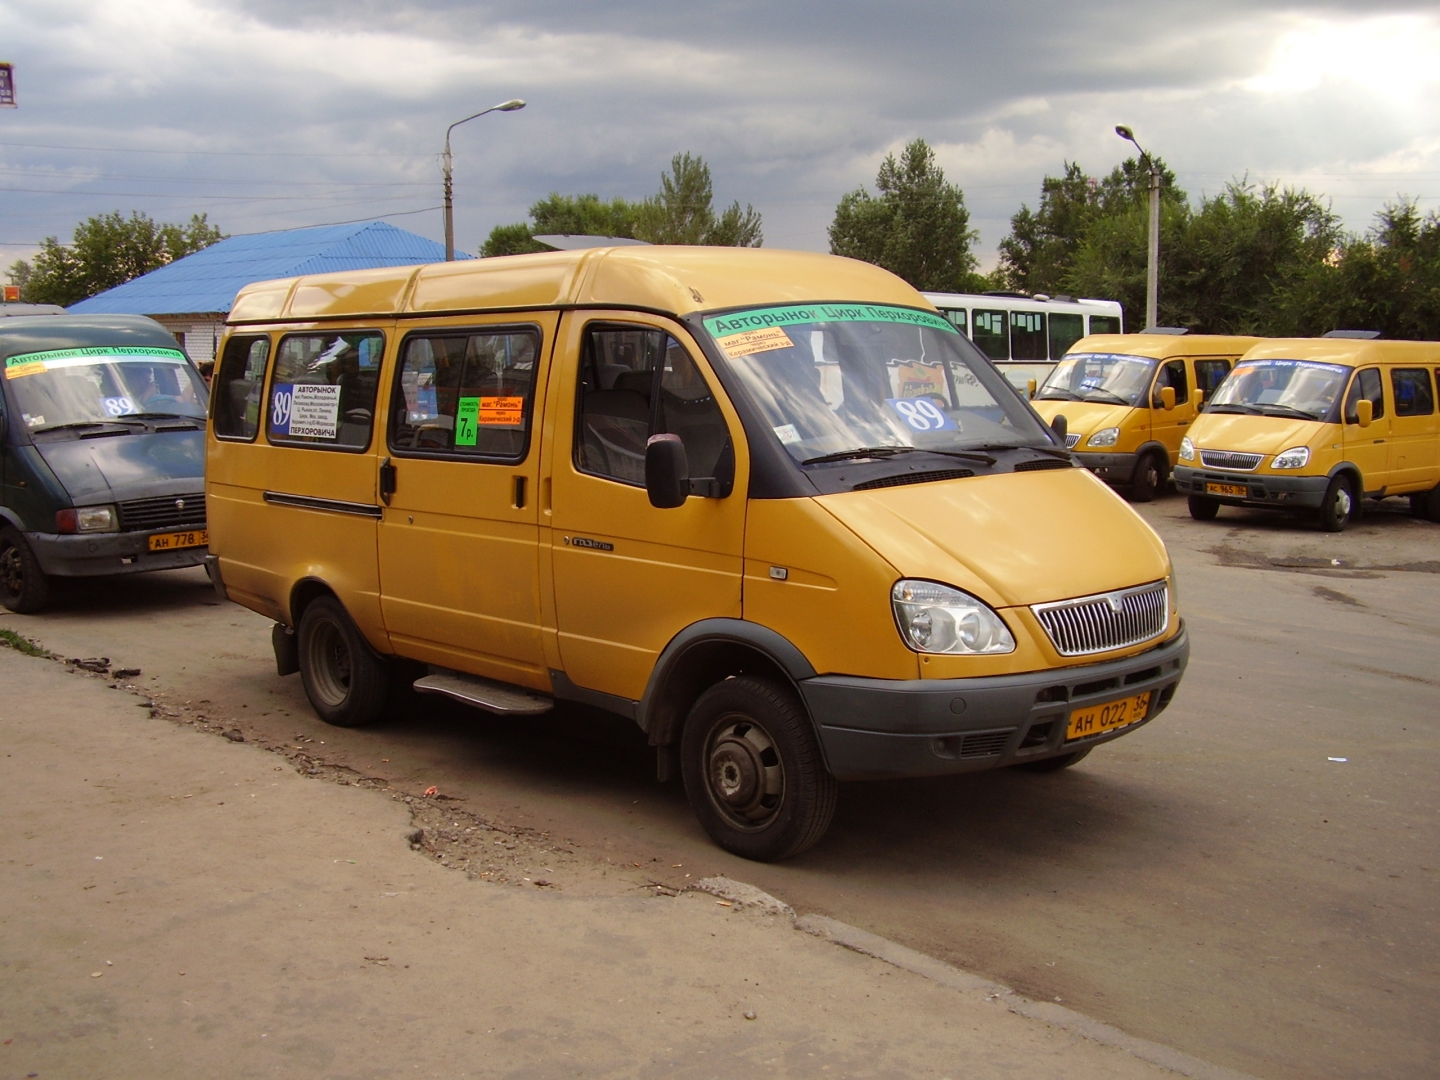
[
  {"x": 1092, "y": 624},
  {"x": 1225, "y": 459},
  {"x": 162, "y": 512}
]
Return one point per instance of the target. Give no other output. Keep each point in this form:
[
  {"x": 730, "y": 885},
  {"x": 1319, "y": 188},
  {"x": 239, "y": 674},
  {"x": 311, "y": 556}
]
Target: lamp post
[
  {"x": 505, "y": 106},
  {"x": 1152, "y": 267}
]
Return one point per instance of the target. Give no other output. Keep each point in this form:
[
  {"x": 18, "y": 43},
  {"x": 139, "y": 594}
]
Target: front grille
[
  {"x": 984, "y": 743},
  {"x": 1225, "y": 459},
  {"x": 1092, "y": 624},
  {"x": 162, "y": 512},
  {"x": 1037, "y": 464},
  {"x": 914, "y": 478}
]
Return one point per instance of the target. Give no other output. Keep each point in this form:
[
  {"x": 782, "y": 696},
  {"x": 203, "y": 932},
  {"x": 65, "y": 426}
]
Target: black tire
[
  {"x": 1147, "y": 479},
  {"x": 1055, "y": 764},
  {"x": 346, "y": 682},
  {"x": 1204, "y": 509},
  {"x": 753, "y": 770},
  {"x": 1426, "y": 504},
  {"x": 1338, "y": 507},
  {"x": 24, "y": 587}
]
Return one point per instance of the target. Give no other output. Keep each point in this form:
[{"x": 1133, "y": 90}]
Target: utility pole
[
  {"x": 1152, "y": 265},
  {"x": 507, "y": 106}
]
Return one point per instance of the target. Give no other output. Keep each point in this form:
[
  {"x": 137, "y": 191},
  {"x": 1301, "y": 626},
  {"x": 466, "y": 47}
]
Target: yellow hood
[
  {"x": 1084, "y": 417},
  {"x": 1250, "y": 434},
  {"x": 1011, "y": 539}
]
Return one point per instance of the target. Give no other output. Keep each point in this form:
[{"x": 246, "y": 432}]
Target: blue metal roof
[{"x": 209, "y": 279}]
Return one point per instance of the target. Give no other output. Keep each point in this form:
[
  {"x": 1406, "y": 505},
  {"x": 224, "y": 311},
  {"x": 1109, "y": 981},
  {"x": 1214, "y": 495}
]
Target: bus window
[
  {"x": 1065, "y": 330},
  {"x": 992, "y": 334},
  {"x": 1209, "y": 374},
  {"x": 1104, "y": 324},
  {"x": 1027, "y": 335},
  {"x": 958, "y": 319}
]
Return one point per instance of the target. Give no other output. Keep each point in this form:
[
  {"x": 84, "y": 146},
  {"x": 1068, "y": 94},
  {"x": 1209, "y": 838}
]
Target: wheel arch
[
  {"x": 1157, "y": 448},
  {"x": 705, "y": 653},
  {"x": 9, "y": 517},
  {"x": 303, "y": 593},
  {"x": 1351, "y": 470}
]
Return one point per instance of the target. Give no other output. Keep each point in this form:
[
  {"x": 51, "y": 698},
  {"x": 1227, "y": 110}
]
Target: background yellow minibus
[{"x": 770, "y": 505}]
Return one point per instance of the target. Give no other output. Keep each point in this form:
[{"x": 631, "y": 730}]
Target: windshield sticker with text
[
  {"x": 763, "y": 318},
  {"x": 54, "y": 359},
  {"x": 754, "y": 341}
]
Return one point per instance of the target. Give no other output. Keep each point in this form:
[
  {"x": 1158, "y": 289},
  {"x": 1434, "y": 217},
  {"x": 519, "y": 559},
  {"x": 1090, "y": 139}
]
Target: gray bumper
[
  {"x": 1266, "y": 489},
  {"x": 98, "y": 554},
  {"x": 876, "y": 728},
  {"x": 1114, "y": 468}
]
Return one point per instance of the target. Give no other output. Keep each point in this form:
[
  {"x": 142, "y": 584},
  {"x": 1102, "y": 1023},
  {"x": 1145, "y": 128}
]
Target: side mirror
[
  {"x": 1365, "y": 412},
  {"x": 1060, "y": 426},
  {"x": 667, "y": 471},
  {"x": 1199, "y": 397},
  {"x": 1167, "y": 398},
  {"x": 1030, "y": 389}
]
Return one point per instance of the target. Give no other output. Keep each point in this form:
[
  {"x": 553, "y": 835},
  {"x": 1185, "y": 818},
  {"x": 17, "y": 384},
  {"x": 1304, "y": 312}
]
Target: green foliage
[
  {"x": 682, "y": 212},
  {"x": 1388, "y": 280},
  {"x": 22, "y": 644},
  {"x": 106, "y": 251},
  {"x": 916, "y": 227}
]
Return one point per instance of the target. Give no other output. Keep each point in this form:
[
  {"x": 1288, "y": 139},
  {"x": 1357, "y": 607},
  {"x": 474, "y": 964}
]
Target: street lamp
[
  {"x": 1152, "y": 267},
  {"x": 506, "y": 106}
]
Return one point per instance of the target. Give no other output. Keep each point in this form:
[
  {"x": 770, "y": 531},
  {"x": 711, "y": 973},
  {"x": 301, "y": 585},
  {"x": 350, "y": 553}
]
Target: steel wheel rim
[
  {"x": 12, "y": 571},
  {"x": 744, "y": 773},
  {"x": 1342, "y": 502},
  {"x": 329, "y": 663}
]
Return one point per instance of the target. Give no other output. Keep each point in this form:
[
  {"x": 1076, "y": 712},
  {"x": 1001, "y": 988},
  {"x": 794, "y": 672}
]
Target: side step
[{"x": 486, "y": 694}]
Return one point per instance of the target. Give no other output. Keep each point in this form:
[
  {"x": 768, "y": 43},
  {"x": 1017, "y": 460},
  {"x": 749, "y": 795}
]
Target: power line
[
  {"x": 182, "y": 195},
  {"x": 209, "y": 153},
  {"x": 4, "y": 170}
]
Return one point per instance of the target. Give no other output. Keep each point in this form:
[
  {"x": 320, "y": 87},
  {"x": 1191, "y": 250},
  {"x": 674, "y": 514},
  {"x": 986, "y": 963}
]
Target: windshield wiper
[
  {"x": 1055, "y": 393},
  {"x": 1287, "y": 410},
  {"x": 1248, "y": 410},
  {"x": 1108, "y": 393},
  {"x": 891, "y": 451},
  {"x": 77, "y": 424}
]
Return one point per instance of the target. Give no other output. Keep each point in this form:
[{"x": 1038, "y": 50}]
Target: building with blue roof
[{"x": 191, "y": 296}]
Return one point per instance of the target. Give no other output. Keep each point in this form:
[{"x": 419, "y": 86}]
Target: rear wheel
[
  {"x": 24, "y": 587},
  {"x": 1426, "y": 504},
  {"x": 1055, "y": 764},
  {"x": 1338, "y": 506},
  {"x": 344, "y": 679},
  {"x": 753, "y": 770},
  {"x": 1203, "y": 509},
  {"x": 1147, "y": 479}
]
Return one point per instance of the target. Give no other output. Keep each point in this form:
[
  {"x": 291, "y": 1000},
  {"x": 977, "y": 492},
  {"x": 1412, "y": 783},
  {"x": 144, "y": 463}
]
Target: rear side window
[
  {"x": 1172, "y": 373},
  {"x": 239, "y": 387},
  {"x": 1366, "y": 384},
  {"x": 992, "y": 334},
  {"x": 1104, "y": 324},
  {"x": 468, "y": 394},
  {"x": 1065, "y": 330},
  {"x": 1027, "y": 335},
  {"x": 1411, "y": 387},
  {"x": 620, "y": 406},
  {"x": 323, "y": 391},
  {"x": 1209, "y": 374}
]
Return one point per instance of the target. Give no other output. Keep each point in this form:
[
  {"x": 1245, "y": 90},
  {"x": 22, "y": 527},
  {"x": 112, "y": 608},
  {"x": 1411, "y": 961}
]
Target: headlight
[
  {"x": 87, "y": 519},
  {"x": 1105, "y": 437},
  {"x": 938, "y": 619},
  {"x": 1297, "y": 457},
  {"x": 1187, "y": 449}
]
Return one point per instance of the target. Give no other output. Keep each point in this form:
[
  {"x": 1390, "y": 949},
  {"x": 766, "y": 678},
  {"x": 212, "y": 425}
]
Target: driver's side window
[
  {"x": 1173, "y": 374},
  {"x": 1366, "y": 384}
]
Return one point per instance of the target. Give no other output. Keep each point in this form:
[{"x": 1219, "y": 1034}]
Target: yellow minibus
[
  {"x": 769, "y": 505},
  {"x": 1316, "y": 424}
]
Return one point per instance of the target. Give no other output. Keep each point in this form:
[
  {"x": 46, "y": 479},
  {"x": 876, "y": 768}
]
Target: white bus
[{"x": 1025, "y": 335}]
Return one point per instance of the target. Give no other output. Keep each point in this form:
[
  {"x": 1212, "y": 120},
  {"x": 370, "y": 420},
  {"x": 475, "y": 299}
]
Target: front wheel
[
  {"x": 1203, "y": 509},
  {"x": 344, "y": 679},
  {"x": 1147, "y": 479},
  {"x": 24, "y": 587},
  {"x": 1338, "y": 507},
  {"x": 753, "y": 771}
]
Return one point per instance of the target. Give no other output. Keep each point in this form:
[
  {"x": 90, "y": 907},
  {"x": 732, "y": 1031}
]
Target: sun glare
[{"x": 1392, "y": 56}]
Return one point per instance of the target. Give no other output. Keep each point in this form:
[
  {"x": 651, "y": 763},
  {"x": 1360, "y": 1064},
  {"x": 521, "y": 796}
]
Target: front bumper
[
  {"x": 98, "y": 554},
  {"x": 1261, "y": 489},
  {"x": 1112, "y": 468},
  {"x": 876, "y": 728}
]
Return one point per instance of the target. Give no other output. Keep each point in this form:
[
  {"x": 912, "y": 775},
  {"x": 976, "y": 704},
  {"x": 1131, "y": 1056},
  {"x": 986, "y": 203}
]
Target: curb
[{"x": 927, "y": 967}]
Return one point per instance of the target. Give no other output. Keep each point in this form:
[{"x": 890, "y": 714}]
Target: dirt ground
[{"x": 1251, "y": 878}]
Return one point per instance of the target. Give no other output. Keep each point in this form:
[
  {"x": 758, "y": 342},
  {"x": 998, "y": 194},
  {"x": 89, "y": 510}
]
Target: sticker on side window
[
  {"x": 467, "y": 412},
  {"x": 921, "y": 414},
  {"x": 754, "y": 341},
  {"x": 502, "y": 411},
  {"x": 309, "y": 410}
]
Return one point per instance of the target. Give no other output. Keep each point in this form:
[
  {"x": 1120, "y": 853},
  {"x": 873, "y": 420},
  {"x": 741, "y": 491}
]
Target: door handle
[{"x": 387, "y": 480}]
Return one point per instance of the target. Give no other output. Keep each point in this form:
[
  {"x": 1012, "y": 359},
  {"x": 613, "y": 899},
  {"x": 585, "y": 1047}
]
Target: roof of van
[
  {"x": 41, "y": 333},
  {"x": 674, "y": 280},
  {"x": 1163, "y": 345},
  {"x": 1349, "y": 351}
]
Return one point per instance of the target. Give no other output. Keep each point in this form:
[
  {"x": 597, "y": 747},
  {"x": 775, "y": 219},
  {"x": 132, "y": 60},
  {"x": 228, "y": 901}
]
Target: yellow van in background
[
  {"x": 1317, "y": 424},
  {"x": 770, "y": 505},
  {"x": 1129, "y": 399}
]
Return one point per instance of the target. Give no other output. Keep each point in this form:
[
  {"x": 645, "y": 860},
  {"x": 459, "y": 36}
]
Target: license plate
[
  {"x": 1101, "y": 718},
  {"x": 1236, "y": 491},
  {"x": 176, "y": 540}
]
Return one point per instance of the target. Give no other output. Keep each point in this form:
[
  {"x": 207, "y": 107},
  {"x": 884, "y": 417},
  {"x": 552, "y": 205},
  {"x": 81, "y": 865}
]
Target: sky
[{"x": 274, "y": 114}]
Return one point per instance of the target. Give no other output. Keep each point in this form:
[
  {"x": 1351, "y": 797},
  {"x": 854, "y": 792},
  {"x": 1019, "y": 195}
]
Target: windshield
[
  {"x": 104, "y": 385},
  {"x": 834, "y": 380},
  {"x": 1113, "y": 378},
  {"x": 1300, "y": 388}
]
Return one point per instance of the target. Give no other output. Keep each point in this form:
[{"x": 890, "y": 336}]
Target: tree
[
  {"x": 916, "y": 227},
  {"x": 682, "y": 212},
  {"x": 106, "y": 251}
]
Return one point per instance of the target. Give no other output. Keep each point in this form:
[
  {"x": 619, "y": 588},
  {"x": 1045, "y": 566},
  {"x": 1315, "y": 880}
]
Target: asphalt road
[{"x": 1252, "y": 878}]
